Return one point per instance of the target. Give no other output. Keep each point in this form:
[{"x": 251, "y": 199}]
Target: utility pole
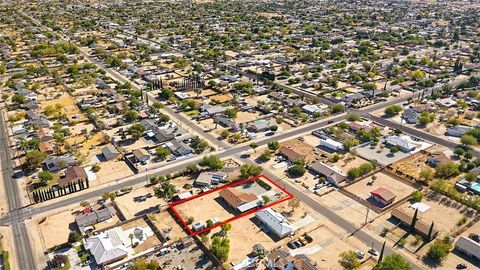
[{"x": 366, "y": 218}]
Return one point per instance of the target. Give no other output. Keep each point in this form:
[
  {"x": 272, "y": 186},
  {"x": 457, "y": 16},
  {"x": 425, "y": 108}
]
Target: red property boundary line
[{"x": 172, "y": 205}]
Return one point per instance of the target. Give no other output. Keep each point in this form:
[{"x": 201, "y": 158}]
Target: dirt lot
[
  {"x": 55, "y": 229},
  {"x": 412, "y": 165},
  {"x": 445, "y": 212},
  {"x": 217, "y": 207},
  {"x": 164, "y": 220},
  {"x": 110, "y": 171},
  {"x": 137, "y": 202},
  {"x": 347, "y": 162},
  {"x": 363, "y": 188},
  {"x": 243, "y": 117},
  {"x": 346, "y": 207}
]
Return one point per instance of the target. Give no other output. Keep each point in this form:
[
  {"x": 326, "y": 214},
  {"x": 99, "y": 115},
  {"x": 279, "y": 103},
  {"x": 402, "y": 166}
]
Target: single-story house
[
  {"x": 110, "y": 152},
  {"x": 400, "y": 142},
  {"x": 410, "y": 116},
  {"x": 242, "y": 201},
  {"x": 55, "y": 163},
  {"x": 106, "y": 248},
  {"x": 331, "y": 144},
  {"x": 93, "y": 217},
  {"x": 383, "y": 196},
  {"x": 45, "y": 134},
  {"x": 420, "y": 226},
  {"x": 47, "y": 147},
  {"x": 275, "y": 222},
  {"x": 457, "y": 131},
  {"x": 281, "y": 259},
  {"x": 73, "y": 174},
  {"x": 291, "y": 154},
  {"x": 207, "y": 179},
  {"x": 312, "y": 108},
  {"x": 259, "y": 126},
  {"x": 333, "y": 176},
  {"x": 468, "y": 246},
  {"x": 436, "y": 158},
  {"x": 179, "y": 148},
  {"x": 141, "y": 155}
]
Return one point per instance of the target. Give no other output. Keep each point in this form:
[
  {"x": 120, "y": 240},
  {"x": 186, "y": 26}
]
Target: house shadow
[
  {"x": 226, "y": 206},
  {"x": 145, "y": 211},
  {"x": 371, "y": 201},
  {"x": 264, "y": 229},
  {"x": 101, "y": 157}
]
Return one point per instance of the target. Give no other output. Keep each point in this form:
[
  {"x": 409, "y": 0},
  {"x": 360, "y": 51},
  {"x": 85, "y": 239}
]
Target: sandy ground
[
  {"x": 363, "y": 189},
  {"x": 444, "y": 212},
  {"x": 164, "y": 221},
  {"x": 55, "y": 229},
  {"x": 346, "y": 207},
  {"x": 110, "y": 171},
  {"x": 137, "y": 202}
]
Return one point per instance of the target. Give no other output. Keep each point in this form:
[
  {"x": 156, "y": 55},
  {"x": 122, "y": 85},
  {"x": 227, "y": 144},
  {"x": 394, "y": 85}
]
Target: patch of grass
[{"x": 462, "y": 221}]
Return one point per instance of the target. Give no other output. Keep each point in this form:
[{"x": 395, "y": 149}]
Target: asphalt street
[{"x": 20, "y": 236}]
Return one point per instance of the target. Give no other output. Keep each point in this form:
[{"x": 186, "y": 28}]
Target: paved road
[
  {"x": 332, "y": 216},
  {"x": 23, "y": 248}
]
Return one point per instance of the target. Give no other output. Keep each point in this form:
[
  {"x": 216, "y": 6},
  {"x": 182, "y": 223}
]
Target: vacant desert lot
[
  {"x": 56, "y": 228},
  {"x": 138, "y": 202},
  {"x": 165, "y": 222}
]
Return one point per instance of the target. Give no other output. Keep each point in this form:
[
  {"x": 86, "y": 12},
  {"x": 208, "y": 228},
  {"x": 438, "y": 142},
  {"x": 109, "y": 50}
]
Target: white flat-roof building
[{"x": 275, "y": 222}]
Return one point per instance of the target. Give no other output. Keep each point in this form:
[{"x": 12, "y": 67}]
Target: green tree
[
  {"x": 266, "y": 155},
  {"x": 18, "y": 99},
  {"x": 220, "y": 248},
  {"x": 136, "y": 130},
  {"x": 349, "y": 260},
  {"x": 162, "y": 153},
  {"x": 3, "y": 69},
  {"x": 468, "y": 139},
  {"x": 33, "y": 159},
  {"x": 447, "y": 169},
  {"x": 212, "y": 162},
  {"x": 230, "y": 113},
  {"x": 393, "y": 110},
  {"x": 353, "y": 117},
  {"x": 45, "y": 176},
  {"x": 273, "y": 145},
  {"x": 74, "y": 237},
  {"x": 249, "y": 170},
  {"x": 426, "y": 118},
  {"x": 131, "y": 116},
  {"x": 417, "y": 196},
  {"x": 254, "y": 146},
  {"x": 348, "y": 144},
  {"x": 393, "y": 262},
  {"x": 439, "y": 250},
  {"x": 337, "y": 108}
]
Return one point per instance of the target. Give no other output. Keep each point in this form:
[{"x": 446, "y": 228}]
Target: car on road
[
  {"x": 461, "y": 266},
  {"x": 330, "y": 122}
]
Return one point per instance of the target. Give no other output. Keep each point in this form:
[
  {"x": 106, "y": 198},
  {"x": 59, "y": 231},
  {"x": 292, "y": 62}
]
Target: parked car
[
  {"x": 291, "y": 245},
  {"x": 308, "y": 238},
  {"x": 302, "y": 240},
  {"x": 360, "y": 254},
  {"x": 461, "y": 266},
  {"x": 373, "y": 252},
  {"x": 297, "y": 243}
]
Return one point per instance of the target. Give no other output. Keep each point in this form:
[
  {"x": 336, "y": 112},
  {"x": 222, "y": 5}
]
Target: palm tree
[{"x": 131, "y": 238}]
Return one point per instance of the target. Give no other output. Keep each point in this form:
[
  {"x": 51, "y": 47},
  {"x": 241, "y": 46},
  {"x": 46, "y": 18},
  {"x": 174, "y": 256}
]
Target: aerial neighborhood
[{"x": 265, "y": 134}]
